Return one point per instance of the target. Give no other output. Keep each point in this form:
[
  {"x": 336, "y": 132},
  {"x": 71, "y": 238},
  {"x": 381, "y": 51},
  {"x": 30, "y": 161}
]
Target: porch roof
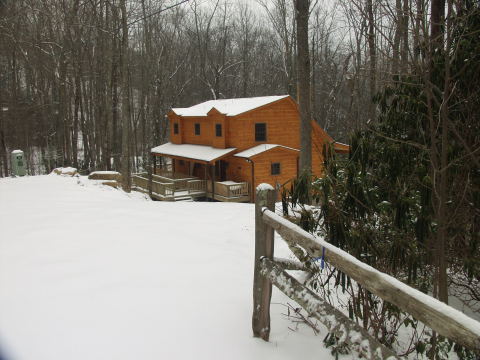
[
  {"x": 201, "y": 153},
  {"x": 256, "y": 150}
]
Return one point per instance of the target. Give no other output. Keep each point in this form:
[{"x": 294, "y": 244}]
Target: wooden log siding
[
  {"x": 263, "y": 166},
  {"x": 336, "y": 322},
  {"x": 442, "y": 318}
]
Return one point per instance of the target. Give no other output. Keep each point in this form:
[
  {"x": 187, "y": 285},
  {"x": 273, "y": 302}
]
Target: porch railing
[
  {"x": 230, "y": 190},
  {"x": 180, "y": 181},
  {"x": 194, "y": 186},
  {"x": 165, "y": 189},
  {"x": 166, "y": 183}
]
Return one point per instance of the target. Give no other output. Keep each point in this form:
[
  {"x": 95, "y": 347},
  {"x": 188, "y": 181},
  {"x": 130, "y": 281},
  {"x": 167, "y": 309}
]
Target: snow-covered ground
[{"x": 89, "y": 272}]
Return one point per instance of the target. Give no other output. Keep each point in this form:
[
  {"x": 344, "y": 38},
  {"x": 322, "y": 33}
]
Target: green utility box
[{"x": 19, "y": 167}]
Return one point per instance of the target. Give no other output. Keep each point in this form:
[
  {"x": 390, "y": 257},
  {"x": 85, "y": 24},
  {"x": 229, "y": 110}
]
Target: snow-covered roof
[
  {"x": 196, "y": 152},
  {"x": 229, "y": 107},
  {"x": 17, "y": 152},
  {"x": 260, "y": 149}
]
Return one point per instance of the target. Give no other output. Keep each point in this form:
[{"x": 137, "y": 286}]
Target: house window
[
  {"x": 261, "y": 132},
  {"x": 175, "y": 128},
  {"x": 275, "y": 169},
  {"x": 197, "y": 129},
  {"x": 181, "y": 162},
  {"x": 218, "y": 130}
]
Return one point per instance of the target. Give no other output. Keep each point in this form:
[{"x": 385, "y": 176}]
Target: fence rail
[{"x": 442, "y": 318}]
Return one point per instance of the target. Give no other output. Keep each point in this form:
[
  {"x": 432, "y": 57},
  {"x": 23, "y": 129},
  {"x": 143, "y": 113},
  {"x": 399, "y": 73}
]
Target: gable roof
[
  {"x": 229, "y": 107},
  {"x": 260, "y": 149}
]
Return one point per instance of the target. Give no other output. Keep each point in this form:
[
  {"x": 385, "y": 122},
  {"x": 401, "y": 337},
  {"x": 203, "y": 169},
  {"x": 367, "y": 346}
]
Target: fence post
[
  {"x": 262, "y": 287},
  {"x": 150, "y": 179}
]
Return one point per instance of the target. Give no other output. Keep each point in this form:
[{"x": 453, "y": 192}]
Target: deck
[{"x": 170, "y": 186}]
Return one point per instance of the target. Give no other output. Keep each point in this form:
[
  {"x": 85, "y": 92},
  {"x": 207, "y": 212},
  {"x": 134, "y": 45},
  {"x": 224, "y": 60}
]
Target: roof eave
[
  {"x": 264, "y": 151},
  {"x": 202, "y": 161}
]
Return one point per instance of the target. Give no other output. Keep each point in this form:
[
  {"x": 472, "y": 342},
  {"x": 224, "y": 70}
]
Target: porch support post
[
  {"x": 213, "y": 181},
  {"x": 154, "y": 161}
]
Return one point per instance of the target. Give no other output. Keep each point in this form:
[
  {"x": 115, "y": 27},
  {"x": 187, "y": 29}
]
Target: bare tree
[{"x": 302, "y": 8}]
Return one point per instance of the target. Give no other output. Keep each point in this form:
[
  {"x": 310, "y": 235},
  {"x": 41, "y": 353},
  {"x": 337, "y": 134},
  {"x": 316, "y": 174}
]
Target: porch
[
  {"x": 167, "y": 185},
  {"x": 189, "y": 171}
]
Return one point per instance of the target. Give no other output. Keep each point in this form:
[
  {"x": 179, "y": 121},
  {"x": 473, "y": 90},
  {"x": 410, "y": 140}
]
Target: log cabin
[{"x": 222, "y": 149}]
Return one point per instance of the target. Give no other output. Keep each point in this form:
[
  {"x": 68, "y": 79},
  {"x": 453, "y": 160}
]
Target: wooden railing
[
  {"x": 179, "y": 180},
  {"x": 230, "y": 190},
  {"x": 440, "y": 317},
  {"x": 196, "y": 186},
  {"x": 166, "y": 183},
  {"x": 165, "y": 189}
]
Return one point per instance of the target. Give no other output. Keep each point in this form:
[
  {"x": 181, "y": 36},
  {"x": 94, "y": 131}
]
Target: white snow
[
  {"x": 229, "y": 182},
  {"x": 89, "y": 272},
  {"x": 17, "y": 152},
  {"x": 260, "y": 149},
  {"x": 264, "y": 186},
  {"x": 198, "y": 152},
  {"x": 229, "y": 107},
  {"x": 70, "y": 171},
  {"x": 105, "y": 173}
]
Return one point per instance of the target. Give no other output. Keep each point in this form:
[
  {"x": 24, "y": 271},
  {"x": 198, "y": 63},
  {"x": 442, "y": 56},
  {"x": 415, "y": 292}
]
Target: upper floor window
[
  {"x": 260, "y": 132},
  {"x": 175, "y": 128},
  {"x": 197, "y": 129},
  {"x": 218, "y": 129},
  {"x": 275, "y": 169}
]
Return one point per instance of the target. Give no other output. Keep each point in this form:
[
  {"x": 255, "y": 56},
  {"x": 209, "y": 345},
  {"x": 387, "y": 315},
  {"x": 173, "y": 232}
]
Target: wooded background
[
  {"x": 87, "y": 83},
  {"x": 83, "y": 81}
]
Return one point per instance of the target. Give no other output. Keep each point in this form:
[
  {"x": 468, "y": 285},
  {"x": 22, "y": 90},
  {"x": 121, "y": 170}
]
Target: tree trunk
[
  {"x": 125, "y": 101},
  {"x": 436, "y": 24},
  {"x": 303, "y": 84},
  {"x": 396, "y": 39},
  {"x": 406, "y": 10},
  {"x": 373, "y": 57}
]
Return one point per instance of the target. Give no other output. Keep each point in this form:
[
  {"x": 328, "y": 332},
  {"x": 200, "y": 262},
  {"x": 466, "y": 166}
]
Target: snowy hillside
[{"x": 89, "y": 272}]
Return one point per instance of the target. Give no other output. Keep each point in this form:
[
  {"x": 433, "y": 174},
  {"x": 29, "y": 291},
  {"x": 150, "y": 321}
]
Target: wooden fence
[{"x": 443, "y": 319}]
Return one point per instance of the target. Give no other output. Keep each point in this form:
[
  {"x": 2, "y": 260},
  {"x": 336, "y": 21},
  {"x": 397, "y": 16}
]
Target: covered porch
[{"x": 189, "y": 172}]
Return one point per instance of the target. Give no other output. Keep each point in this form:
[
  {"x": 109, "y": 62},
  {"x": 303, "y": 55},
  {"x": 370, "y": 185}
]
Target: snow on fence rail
[{"x": 442, "y": 318}]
